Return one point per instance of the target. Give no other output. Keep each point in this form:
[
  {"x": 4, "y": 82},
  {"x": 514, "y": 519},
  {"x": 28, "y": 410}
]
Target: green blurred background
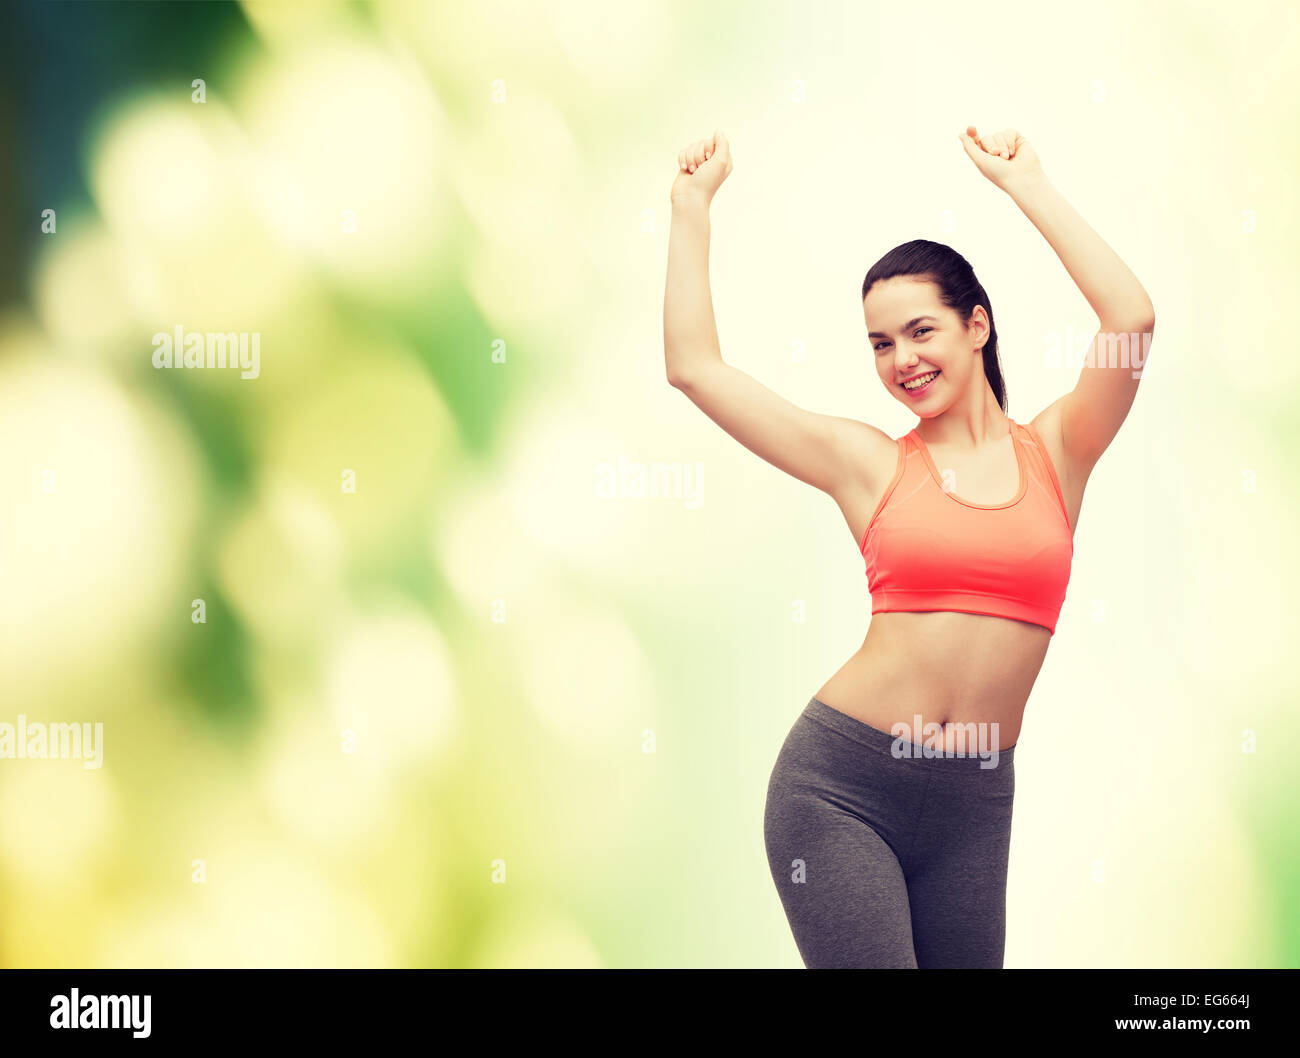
[{"x": 461, "y": 696}]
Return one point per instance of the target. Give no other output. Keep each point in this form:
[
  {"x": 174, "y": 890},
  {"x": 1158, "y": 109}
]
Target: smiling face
[{"x": 913, "y": 335}]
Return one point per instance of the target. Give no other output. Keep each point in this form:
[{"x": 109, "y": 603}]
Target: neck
[{"x": 975, "y": 420}]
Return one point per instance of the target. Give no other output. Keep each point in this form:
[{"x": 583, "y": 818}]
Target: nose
[{"x": 904, "y": 362}]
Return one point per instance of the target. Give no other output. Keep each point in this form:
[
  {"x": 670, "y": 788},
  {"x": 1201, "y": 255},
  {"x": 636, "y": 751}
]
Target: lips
[{"x": 916, "y": 391}]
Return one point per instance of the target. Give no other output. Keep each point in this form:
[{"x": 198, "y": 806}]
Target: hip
[{"x": 921, "y": 800}]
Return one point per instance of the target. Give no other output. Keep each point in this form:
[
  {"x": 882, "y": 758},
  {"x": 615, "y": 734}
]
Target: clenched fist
[
  {"x": 1004, "y": 157},
  {"x": 701, "y": 168}
]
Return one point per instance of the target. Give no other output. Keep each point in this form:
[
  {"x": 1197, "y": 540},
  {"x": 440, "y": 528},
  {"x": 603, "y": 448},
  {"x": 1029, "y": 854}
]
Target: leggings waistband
[{"x": 980, "y": 753}]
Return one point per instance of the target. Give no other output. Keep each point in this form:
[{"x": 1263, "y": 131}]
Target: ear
[{"x": 980, "y": 326}]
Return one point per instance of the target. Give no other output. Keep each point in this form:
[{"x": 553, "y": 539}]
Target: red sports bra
[{"x": 928, "y": 549}]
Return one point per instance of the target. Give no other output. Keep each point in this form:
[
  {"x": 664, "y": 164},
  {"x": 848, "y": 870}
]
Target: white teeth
[{"x": 919, "y": 381}]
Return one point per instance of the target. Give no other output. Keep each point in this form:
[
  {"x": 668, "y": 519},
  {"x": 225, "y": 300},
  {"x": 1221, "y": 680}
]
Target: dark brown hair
[{"x": 958, "y": 289}]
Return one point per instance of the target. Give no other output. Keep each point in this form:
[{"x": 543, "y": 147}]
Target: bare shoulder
[
  {"x": 1047, "y": 423},
  {"x": 1072, "y": 477},
  {"x": 873, "y": 455},
  {"x": 873, "y": 461}
]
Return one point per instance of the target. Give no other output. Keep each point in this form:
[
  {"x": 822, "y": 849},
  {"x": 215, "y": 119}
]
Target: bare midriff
[{"x": 948, "y": 669}]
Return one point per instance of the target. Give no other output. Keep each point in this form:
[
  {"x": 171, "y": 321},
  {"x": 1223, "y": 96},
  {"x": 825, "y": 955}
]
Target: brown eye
[{"x": 919, "y": 330}]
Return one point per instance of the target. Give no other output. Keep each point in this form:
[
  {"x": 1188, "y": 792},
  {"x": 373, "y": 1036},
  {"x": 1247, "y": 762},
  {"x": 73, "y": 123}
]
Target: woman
[{"x": 888, "y": 813}]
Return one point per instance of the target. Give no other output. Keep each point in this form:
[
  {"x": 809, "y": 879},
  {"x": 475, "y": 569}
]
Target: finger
[
  {"x": 699, "y": 152},
  {"x": 724, "y": 148},
  {"x": 681, "y": 159},
  {"x": 720, "y": 145}
]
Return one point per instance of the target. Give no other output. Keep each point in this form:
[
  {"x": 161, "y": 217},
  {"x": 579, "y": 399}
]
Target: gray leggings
[{"x": 887, "y": 861}]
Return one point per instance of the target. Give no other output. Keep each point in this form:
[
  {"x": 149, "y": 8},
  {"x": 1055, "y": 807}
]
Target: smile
[{"x": 921, "y": 383}]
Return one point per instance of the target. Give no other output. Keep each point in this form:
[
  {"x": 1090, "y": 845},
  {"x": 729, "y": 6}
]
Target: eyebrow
[{"x": 907, "y": 326}]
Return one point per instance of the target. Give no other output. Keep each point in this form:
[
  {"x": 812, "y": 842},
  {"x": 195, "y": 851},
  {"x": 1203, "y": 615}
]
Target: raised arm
[
  {"x": 825, "y": 451},
  {"x": 1087, "y": 418}
]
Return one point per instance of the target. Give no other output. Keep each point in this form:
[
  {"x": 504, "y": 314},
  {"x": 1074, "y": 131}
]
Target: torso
[{"x": 945, "y": 667}]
